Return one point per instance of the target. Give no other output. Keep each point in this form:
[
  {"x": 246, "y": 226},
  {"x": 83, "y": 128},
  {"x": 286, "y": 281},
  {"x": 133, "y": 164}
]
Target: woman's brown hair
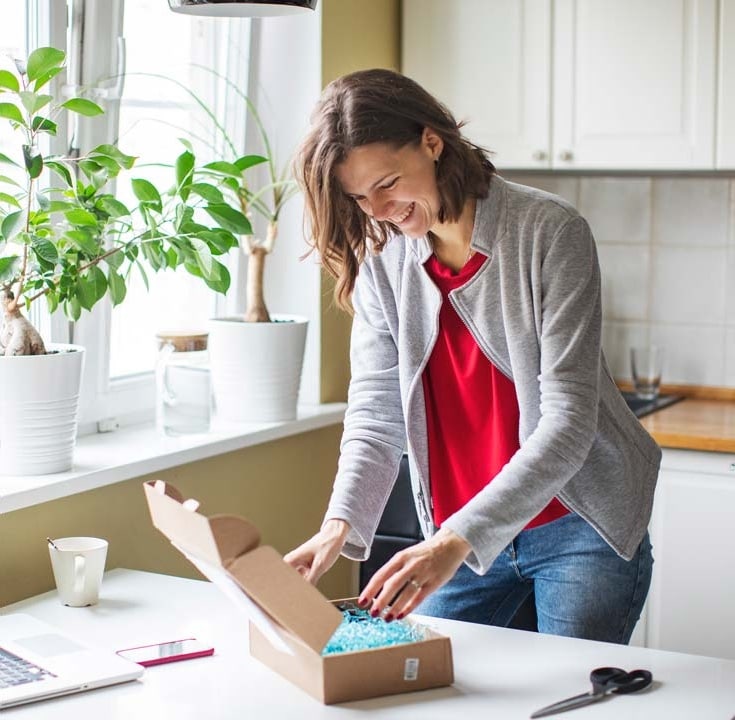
[{"x": 365, "y": 107}]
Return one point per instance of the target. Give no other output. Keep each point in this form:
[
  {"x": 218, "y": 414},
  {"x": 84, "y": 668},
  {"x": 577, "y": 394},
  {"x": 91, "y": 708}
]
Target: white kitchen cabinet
[
  {"x": 726, "y": 87},
  {"x": 691, "y": 605},
  {"x": 606, "y": 84},
  {"x": 489, "y": 61}
]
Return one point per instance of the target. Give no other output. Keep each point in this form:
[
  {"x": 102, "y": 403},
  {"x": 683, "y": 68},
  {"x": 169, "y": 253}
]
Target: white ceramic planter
[
  {"x": 39, "y": 398},
  {"x": 256, "y": 367}
]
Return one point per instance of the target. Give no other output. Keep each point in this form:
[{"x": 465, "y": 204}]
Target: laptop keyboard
[{"x": 15, "y": 670}]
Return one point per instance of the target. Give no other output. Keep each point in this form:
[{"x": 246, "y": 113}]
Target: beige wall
[
  {"x": 281, "y": 486},
  {"x": 355, "y": 35}
]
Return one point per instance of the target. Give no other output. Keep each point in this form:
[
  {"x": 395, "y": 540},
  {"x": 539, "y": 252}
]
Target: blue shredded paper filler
[{"x": 360, "y": 631}]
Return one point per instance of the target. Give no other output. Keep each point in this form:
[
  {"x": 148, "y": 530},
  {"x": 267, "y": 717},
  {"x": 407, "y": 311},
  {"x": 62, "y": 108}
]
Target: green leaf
[
  {"x": 220, "y": 167},
  {"x": 45, "y": 249},
  {"x": 33, "y": 161},
  {"x": 83, "y": 240},
  {"x": 219, "y": 241},
  {"x": 208, "y": 192},
  {"x": 248, "y": 161},
  {"x": 72, "y": 308},
  {"x": 4, "y": 158},
  {"x": 142, "y": 274},
  {"x": 102, "y": 161},
  {"x": 219, "y": 278},
  {"x": 52, "y": 301},
  {"x": 33, "y": 102},
  {"x": 61, "y": 170},
  {"x": 45, "y": 77},
  {"x": 187, "y": 145},
  {"x": 12, "y": 224},
  {"x": 203, "y": 255},
  {"x": 113, "y": 207},
  {"x": 123, "y": 160},
  {"x": 8, "y": 81},
  {"x": 8, "y": 200},
  {"x": 79, "y": 216},
  {"x": 147, "y": 193},
  {"x": 9, "y": 181},
  {"x": 43, "y": 202},
  {"x": 184, "y": 168},
  {"x": 43, "y": 60},
  {"x": 98, "y": 281},
  {"x": 116, "y": 283},
  {"x": 229, "y": 218},
  {"x": 115, "y": 260},
  {"x": 173, "y": 258},
  {"x": 42, "y": 124},
  {"x": 9, "y": 268},
  {"x": 82, "y": 106},
  {"x": 11, "y": 112}
]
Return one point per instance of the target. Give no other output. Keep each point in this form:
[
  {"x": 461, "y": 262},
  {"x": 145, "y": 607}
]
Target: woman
[{"x": 476, "y": 345}]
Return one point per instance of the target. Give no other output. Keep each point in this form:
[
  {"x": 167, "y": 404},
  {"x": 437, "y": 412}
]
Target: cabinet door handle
[
  {"x": 540, "y": 155},
  {"x": 566, "y": 155}
]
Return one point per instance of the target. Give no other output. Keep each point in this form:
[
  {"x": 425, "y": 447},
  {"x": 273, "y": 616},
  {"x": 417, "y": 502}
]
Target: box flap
[
  {"x": 296, "y": 605},
  {"x": 231, "y": 542}
]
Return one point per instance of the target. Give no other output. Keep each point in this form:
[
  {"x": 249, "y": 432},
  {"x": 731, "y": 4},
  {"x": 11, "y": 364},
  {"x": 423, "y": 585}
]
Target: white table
[{"x": 499, "y": 674}]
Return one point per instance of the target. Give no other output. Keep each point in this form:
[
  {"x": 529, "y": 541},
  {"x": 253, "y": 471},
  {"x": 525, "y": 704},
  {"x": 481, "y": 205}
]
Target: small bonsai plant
[
  {"x": 65, "y": 237},
  {"x": 266, "y": 199}
]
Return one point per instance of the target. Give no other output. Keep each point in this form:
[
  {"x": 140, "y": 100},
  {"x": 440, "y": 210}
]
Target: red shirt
[{"x": 471, "y": 408}]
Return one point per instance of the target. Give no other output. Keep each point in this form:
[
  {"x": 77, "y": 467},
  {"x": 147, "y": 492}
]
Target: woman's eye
[{"x": 389, "y": 185}]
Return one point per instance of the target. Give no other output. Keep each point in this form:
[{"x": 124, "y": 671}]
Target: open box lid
[{"x": 232, "y": 543}]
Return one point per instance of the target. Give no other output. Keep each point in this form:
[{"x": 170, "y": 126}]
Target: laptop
[{"x": 38, "y": 661}]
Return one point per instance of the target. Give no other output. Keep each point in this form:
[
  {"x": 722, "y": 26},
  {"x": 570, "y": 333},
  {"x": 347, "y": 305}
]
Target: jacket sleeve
[
  {"x": 568, "y": 294},
  {"x": 374, "y": 432}
]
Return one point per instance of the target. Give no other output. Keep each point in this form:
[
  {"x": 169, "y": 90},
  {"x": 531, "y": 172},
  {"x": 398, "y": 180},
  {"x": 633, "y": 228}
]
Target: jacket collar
[{"x": 490, "y": 223}]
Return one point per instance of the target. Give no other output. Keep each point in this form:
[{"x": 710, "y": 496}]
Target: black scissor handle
[{"x": 619, "y": 681}]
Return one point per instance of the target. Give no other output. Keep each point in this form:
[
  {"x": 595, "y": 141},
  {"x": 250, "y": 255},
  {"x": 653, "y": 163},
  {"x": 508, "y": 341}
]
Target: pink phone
[{"x": 147, "y": 655}]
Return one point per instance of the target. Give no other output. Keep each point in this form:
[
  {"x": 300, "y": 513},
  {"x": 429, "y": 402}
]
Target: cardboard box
[{"x": 291, "y": 621}]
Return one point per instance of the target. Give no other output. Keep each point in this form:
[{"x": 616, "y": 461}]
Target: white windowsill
[{"x": 107, "y": 458}]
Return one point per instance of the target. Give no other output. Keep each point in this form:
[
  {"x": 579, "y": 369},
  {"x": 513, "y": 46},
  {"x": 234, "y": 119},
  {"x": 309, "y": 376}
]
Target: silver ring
[{"x": 414, "y": 584}]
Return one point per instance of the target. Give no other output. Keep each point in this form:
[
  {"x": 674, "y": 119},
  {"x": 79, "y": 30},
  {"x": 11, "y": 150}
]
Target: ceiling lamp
[{"x": 241, "y": 8}]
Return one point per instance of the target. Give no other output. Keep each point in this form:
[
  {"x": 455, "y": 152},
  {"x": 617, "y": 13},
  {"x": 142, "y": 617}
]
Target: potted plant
[
  {"x": 256, "y": 358},
  {"x": 65, "y": 237}
]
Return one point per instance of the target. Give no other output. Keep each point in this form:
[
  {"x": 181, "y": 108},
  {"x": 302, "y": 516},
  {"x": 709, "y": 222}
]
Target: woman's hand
[
  {"x": 413, "y": 574},
  {"x": 318, "y": 554}
]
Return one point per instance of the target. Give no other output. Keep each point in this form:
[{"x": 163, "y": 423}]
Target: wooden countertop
[{"x": 704, "y": 420}]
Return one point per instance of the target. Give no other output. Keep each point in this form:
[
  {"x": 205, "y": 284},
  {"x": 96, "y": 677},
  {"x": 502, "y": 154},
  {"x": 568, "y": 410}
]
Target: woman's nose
[{"x": 381, "y": 209}]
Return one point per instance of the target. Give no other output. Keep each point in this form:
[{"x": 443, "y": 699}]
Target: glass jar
[{"x": 183, "y": 385}]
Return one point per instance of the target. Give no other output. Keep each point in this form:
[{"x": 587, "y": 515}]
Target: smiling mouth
[{"x": 406, "y": 213}]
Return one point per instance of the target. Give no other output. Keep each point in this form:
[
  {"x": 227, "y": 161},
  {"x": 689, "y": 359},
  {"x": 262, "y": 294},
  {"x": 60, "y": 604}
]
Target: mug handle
[{"x": 80, "y": 563}]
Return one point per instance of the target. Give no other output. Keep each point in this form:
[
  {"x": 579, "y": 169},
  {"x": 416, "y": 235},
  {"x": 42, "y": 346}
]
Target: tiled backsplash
[{"x": 667, "y": 253}]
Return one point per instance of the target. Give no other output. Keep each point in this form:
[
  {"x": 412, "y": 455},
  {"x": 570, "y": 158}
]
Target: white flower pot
[
  {"x": 256, "y": 367},
  {"x": 39, "y": 398}
]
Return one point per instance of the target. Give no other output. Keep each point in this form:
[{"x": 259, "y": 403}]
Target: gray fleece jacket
[{"x": 534, "y": 310}]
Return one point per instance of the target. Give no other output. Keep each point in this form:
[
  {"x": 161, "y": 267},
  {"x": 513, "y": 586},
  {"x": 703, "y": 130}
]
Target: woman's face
[{"x": 398, "y": 186}]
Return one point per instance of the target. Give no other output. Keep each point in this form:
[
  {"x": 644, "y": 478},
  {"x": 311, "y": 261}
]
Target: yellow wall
[
  {"x": 355, "y": 35},
  {"x": 280, "y": 486}
]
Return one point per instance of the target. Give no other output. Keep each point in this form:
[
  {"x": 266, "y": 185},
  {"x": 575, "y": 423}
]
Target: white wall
[
  {"x": 287, "y": 61},
  {"x": 667, "y": 253}
]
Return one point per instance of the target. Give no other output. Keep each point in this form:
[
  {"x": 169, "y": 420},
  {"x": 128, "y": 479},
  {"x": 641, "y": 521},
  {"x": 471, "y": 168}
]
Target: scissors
[{"x": 605, "y": 680}]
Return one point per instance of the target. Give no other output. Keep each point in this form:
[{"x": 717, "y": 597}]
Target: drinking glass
[{"x": 646, "y": 364}]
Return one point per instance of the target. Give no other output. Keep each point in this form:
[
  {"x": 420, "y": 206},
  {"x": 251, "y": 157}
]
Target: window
[{"x": 146, "y": 89}]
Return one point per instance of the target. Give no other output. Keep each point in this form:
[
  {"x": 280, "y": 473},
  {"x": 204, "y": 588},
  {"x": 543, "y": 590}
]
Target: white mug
[{"x": 78, "y": 564}]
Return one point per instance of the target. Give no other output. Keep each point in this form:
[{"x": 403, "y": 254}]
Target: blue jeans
[{"x": 582, "y": 587}]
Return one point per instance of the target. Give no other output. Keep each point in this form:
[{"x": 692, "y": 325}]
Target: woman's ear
[{"x": 432, "y": 142}]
